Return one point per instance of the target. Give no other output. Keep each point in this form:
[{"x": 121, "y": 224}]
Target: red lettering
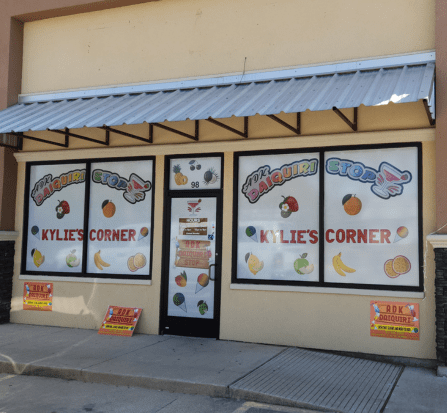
[
  {"x": 52, "y": 232},
  {"x": 80, "y": 234},
  {"x": 107, "y": 234},
  {"x": 340, "y": 235},
  {"x": 385, "y": 236},
  {"x": 100, "y": 235},
  {"x": 132, "y": 234},
  {"x": 372, "y": 235},
  {"x": 293, "y": 240},
  {"x": 91, "y": 236},
  {"x": 66, "y": 234},
  {"x": 350, "y": 234},
  {"x": 388, "y": 309},
  {"x": 361, "y": 236},
  {"x": 269, "y": 181},
  {"x": 116, "y": 235},
  {"x": 44, "y": 235},
  {"x": 314, "y": 236},
  {"x": 58, "y": 238},
  {"x": 71, "y": 237},
  {"x": 300, "y": 237},
  {"x": 281, "y": 237},
  {"x": 124, "y": 235},
  {"x": 400, "y": 309},
  {"x": 329, "y": 231}
]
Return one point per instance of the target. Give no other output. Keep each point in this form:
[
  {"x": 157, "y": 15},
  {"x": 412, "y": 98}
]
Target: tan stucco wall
[
  {"x": 315, "y": 320},
  {"x": 173, "y": 39}
]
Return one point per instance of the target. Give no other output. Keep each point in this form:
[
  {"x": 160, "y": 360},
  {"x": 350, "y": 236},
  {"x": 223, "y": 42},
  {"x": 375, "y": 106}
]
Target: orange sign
[
  {"x": 120, "y": 321},
  {"x": 394, "y": 320},
  {"x": 193, "y": 254},
  {"x": 38, "y": 296}
]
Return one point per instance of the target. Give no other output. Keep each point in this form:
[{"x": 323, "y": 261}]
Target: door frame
[{"x": 183, "y": 326}]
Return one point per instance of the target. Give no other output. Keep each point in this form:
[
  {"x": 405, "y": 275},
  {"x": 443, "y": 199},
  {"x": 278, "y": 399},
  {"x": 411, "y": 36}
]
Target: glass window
[
  {"x": 363, "y": 204},
  {"x": 90, "y": 219}
]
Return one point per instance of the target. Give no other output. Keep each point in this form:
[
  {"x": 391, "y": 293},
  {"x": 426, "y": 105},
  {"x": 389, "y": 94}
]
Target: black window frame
[
  {"x": 83, "y": 274},
  {"x": 321, "y": 231}
]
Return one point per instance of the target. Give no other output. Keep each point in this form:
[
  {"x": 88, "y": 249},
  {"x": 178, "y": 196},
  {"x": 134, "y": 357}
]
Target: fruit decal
[
  {"x": 181, "y": 279},
  {"x": 202, "y": 281},
  {"x": 136, "y": 262},
  {"x": 72, "y": 260},
  {"x": 397, "y": 266},
  {"x": 210, "y": 176},
  {"x": 179, "y": 301},
  {"x": 38, "y": 258},
  {"x": 62, "y": 209},
  {"x": 108, "y": 208},
  {"x": 203, "y": 307},
  {"x": 301, "y": 265},
  {"x": 35, "y": 231},
  {"x": 143, "y": 233},
  {"x": 351, "y": 204},
  {"x": 401, "y": 233},
  {"x": 254, "y": 265},
  {"x": 99, "y": 261},
  {"x": 179, "y": 178},
  {"x": 251, "y": 233},
  {"x": 194, "y": 165},
  {"x": 339, "y": 265},
  {"x": 288, "y": 206}
]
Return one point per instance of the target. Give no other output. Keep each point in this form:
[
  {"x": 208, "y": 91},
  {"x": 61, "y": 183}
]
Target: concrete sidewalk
[{"x": 263, "y": 373}]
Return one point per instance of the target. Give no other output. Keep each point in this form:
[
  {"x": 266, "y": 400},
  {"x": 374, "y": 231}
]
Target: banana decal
[
  {"x": 340, "y": 266},
  {"x": 99, "y": 261}
]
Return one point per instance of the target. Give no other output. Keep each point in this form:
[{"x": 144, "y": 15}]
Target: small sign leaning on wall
[
  {"x": 120, "y": 321},
  {"x": 38, "y": 296},
  {"x": 394, "y": 320}
]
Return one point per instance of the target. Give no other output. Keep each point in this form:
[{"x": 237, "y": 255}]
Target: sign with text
[
  {"x": 193, "y": 254},
  {"x": 38, "y": 296},
  {"x": 120, "y": 321},
  {"x": 394, "y": 320}
]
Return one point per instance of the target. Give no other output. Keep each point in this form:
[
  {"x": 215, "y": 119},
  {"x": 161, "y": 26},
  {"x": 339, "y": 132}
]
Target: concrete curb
[{"x": 173, "y": 386}]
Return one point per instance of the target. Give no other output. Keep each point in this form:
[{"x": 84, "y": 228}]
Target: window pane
[
  {"x": 56, "y": 218},
  {"x": 371, "y": 217},
  {"x": 195, "y": 173},
  {"x": 120, "y": 210},
  {"x": 278, "y": 217}
]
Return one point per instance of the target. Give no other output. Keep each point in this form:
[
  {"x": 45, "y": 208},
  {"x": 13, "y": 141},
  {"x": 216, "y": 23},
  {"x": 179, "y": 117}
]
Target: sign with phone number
[
  {"x": 120, "y": 321},
  {"x": 38, "y": 296}
]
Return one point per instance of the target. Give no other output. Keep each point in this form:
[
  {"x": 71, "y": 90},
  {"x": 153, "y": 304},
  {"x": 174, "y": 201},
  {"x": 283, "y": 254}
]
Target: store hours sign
[{"x": 370, "y": 207}]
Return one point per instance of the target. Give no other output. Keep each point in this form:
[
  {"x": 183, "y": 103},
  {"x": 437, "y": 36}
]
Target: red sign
[
  {"x": 38, "y": 296},
  {"x": 120, "y": 321},
  {"x": 394, "y": 320}
]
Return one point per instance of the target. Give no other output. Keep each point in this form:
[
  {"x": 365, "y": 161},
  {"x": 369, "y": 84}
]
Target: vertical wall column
[
  {"x": 439, "y": 243},
  {"x": 7, "y": 242}
]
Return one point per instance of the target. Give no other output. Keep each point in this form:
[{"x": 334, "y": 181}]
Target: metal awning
[{"x": 369, "y": 87}]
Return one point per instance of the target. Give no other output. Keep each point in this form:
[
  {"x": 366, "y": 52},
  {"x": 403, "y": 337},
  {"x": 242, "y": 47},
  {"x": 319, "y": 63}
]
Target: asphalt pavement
[{"x": 282, "y": 376}]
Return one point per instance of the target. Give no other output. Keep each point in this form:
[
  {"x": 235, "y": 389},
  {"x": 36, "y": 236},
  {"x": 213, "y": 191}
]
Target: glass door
[{"x": 192, "y": 275}]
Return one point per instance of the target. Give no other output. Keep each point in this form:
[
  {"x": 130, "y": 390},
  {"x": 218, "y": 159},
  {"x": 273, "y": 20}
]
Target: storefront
[{"x": 287, "y": 203}]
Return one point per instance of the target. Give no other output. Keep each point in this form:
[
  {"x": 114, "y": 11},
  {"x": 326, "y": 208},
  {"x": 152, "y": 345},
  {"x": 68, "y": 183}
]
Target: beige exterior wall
[
  {"x": 173, "y": 39},
  {"x": 324, "y": 321}
]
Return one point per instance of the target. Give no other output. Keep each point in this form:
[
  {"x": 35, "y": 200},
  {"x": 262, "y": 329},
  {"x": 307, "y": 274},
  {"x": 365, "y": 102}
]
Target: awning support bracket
[
  {"x": 244, "y": 134},
  {"x": 67, "y": 133},
  {"x": 352, "y": 125},
  {"x": 186, "y": 135},
  {"x": 129, "y": 135},
  {"x": 21, "y": 135},
  {"x": 296, "y": 130},
  {"x": 430, "y": 117}
]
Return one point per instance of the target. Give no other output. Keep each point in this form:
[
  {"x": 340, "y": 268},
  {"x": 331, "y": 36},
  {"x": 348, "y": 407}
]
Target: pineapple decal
[{"x": 179, "y": 178}]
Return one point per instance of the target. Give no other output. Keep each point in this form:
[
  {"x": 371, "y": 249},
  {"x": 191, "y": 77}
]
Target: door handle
[{"x": 209, "y": 272}]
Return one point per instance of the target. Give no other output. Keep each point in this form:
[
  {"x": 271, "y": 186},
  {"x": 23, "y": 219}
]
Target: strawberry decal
[
  {"x": 62, "y": 209},
  {"x": 289, "y": 205}
]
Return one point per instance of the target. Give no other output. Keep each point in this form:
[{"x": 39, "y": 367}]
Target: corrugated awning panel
[{"x": 407, "y": 83}]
